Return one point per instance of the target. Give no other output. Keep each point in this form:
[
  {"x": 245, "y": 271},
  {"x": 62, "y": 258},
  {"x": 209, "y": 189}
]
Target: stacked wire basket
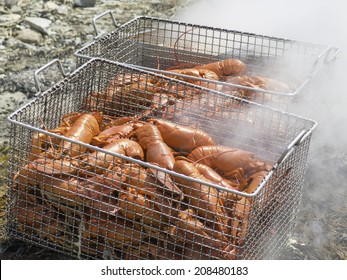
[
  {"x": 158, "y": 44},
  {"x": 72, "y": 191}
]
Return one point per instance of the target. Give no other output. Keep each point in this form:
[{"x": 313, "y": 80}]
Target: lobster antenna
[
  {"x": 158, "y": 63},
  {"x": 175, "y": 45},
  {"x": 208, "y": 156},
  {"x": 44, "y": 127}
]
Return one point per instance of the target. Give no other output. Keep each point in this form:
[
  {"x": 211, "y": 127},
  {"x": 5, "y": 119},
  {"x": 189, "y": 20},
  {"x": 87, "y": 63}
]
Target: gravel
[{"x": 32, "y": 33}]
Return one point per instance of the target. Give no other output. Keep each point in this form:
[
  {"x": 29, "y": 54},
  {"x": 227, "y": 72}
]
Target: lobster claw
[
  {"x": 198, "y": 240},
  {"x": 254, "y": 181},
  {"x": 166, "y": 181}
]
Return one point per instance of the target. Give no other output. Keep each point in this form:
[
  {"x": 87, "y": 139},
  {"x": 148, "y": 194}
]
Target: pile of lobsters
[
  {"x": 148, "y": 202},
  {"x": 230, "y": 71},
  {"x": 128, "y": 92}
]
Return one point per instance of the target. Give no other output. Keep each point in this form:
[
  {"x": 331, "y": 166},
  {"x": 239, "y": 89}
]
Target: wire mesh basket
[
  {"x": 278, "y": 69},
  {"x": 72, "y": 191}
]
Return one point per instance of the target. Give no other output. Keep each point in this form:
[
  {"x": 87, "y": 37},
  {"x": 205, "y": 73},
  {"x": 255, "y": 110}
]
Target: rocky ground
[{"x": 32, "y": 33}]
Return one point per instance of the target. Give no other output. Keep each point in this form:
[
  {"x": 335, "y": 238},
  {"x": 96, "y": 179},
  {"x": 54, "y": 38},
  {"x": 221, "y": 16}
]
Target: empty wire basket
[
  {"x": 278, "y": 69},
  {"x": 81, "y": 185}
]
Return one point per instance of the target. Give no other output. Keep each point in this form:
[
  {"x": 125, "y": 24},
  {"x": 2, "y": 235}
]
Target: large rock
[
  {"x": 39, "y": 24},
  {"x": 29, "y": 36}
]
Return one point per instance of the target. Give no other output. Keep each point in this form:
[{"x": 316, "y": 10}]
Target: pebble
[
  {"x": 63, "y": 10},
  {"x": 16, "y": 10},
  {"x": 78, "y": 41},
  {"x": 11, "y": 43},
  {"x": 51, "y": 6},
  {"x": 59, "y": 9},
  {"x": 9, "y": 19},
  {"x": 10, "y": 3},
  {"x": 84, "y": 3},
  {"x": 29, "y": 36}
]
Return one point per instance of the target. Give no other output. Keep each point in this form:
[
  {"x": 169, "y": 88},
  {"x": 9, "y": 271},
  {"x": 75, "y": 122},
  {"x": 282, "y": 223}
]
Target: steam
[{"x": 315, "y": 21}]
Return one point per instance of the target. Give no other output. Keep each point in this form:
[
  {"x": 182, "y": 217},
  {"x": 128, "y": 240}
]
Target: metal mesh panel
[
  {"x": 94, "y": 203},
  {"x": 161, "y": 44}
]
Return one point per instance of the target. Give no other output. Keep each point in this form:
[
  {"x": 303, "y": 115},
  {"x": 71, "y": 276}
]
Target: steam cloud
[{"x": 315, "y": 21}]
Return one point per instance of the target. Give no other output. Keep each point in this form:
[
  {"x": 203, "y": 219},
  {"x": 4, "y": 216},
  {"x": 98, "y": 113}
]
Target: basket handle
[
  {"x": 99, "y": 16},
  {"x": 290, "y": 148},
  {"x": 38, "y": 71},
  {"x": 331, "y": 54},
  {"x": 324, "y": 57}
]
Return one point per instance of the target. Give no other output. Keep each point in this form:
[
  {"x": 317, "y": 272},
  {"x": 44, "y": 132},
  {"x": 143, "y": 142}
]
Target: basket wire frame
[
  {"x": 83, "y": 214},
  {"x": 159, "y": 44}
]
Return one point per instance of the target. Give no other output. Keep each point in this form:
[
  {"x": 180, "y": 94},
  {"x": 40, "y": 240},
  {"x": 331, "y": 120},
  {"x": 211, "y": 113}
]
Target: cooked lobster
[{"x": 119, "y": 207}]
